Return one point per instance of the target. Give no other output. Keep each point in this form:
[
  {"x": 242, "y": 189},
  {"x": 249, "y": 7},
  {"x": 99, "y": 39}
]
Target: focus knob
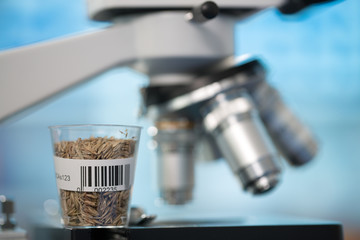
[
  {"x": 204, "y": 12},
  {"x": 7, "y": 209}
]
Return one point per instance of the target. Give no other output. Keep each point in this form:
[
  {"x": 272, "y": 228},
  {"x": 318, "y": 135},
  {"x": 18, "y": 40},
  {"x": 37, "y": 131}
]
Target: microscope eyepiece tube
[{"x": 233, "y": 121}]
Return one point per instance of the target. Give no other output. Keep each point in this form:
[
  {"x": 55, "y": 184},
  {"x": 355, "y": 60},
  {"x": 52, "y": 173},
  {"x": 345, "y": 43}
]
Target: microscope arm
[
  {"x": 156, "y": 44},
  {"x": 31, "y": 74}
]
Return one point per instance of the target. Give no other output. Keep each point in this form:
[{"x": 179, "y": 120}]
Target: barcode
[{"x": 104, "y": 176}]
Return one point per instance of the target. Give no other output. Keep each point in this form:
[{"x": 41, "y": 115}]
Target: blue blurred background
[{"x": 313, "y": 60}]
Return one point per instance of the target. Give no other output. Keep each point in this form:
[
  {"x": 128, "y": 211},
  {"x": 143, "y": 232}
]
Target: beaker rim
[{"x": 94, "y": 125}]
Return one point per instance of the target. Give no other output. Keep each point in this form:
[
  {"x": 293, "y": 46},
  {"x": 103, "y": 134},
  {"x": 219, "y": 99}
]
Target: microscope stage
[{"x": 252, "y": 228}]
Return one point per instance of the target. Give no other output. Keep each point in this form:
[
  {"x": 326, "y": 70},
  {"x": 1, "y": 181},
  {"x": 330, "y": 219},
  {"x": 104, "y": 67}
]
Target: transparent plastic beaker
[{"x": 95, "y": 168}]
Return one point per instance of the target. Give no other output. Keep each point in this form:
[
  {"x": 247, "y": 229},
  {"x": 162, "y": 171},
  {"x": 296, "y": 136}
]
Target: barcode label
[
  {"x": 94, "y": 175},
  {"x": 104, "y": 176}
]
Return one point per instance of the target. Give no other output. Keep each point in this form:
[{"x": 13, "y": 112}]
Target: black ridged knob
[
  {"x": 204, "y": 12},
  {"x": 7, "y": 209}
]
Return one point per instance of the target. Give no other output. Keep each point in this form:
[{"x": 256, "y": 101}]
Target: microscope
[{"x": 199, "y": 94}]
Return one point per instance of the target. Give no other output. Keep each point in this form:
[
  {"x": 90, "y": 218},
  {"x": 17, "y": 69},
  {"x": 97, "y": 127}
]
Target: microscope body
[
  {"x": 200, "y": 94},
  {"x": 198, "y": 91}
]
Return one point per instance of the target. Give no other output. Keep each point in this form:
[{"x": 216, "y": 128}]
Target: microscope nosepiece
[{"x": 233, "y": 121}]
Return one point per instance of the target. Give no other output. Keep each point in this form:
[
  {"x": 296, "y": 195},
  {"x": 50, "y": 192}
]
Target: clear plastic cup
[{"x": 95, "y": 168}]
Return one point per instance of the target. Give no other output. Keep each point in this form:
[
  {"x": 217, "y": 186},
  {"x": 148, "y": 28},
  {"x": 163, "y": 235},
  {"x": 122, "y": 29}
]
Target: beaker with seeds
[{"x": 95, "y": 169}]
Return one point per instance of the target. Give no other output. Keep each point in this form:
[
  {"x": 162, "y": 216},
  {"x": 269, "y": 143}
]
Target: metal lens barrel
[
  {"x": 233, "y": 121},
  {"x": 175, "y": 166},
  {"x": 292, "y": 138}
]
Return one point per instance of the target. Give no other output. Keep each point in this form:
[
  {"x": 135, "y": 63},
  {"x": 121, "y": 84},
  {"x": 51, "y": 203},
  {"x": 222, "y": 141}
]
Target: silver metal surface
[
  {"x": 293, "y": 139},
  {"x": 96, "y": 7},
  {"x": 175, "y": 151},
  {"x": 177, "y": 196},
  {"x": 205, "y": 93},
  {"x": 163, "y": 51},
  {"x": 142, "y": 42},
  {"x": 231, "y": 118},
  {"x": 233, "y": 122},
  {"x": 32, "y": 74},
  {"x": 268, "y": 170},
  {"x": 138, "y": 217}
]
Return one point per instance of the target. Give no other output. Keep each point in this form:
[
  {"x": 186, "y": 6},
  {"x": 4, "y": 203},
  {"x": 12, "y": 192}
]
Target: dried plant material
[{"x": 95, "y": 208}]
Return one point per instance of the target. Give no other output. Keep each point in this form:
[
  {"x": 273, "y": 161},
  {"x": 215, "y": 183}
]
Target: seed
[{"x": 92, "y": 208}]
